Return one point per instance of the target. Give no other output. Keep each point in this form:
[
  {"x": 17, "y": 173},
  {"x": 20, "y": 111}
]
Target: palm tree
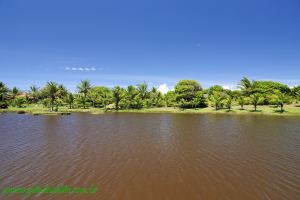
[
  {"x": 14, "y": 92},
  {"x": 216, "y": 97},
  {"x": 241, "y": 101},
  {"x": 117, "y": 96},
  {"x": 34, "y": 93},
  {"x": 70, "y": 100},
  {"x": 3, "y": 95},
  {"x": 255, "y": 99},
  {"x": 247, "y": 86},
  {"x": 105, "y": 96},
  {"x": 228, "y": 102},
  {"x": 51, "y": 91},
  {"x": 143, "y": 90},
  {"x": 280, "y": 99},
  {"x": 84, "y": 87}
]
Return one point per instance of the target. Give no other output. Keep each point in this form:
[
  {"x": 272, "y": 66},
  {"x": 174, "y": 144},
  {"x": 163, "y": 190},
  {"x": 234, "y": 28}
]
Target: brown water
[{"x": 153, "y": 156}]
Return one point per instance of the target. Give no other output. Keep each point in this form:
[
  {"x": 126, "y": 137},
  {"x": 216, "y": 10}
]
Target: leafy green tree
[
  {"x": 143, "y": 90},
  {"x": 228, "y": 102},
  {"x": 105, "y": 96},
  {"x": 133, "y": 97},
  {"x": 246, "y": 86},
  {"x": 255, "y": 99},
  {"x": 70, "y": 100},
  {"x": 216, "y": 98},
  {"x": 94, "y": 96},
  {"x": 199, "y": 101},
  {"x": 19, "y": 101},
  {"x": 34, "y": 94},
  {"x": 215, "y": 88},
  {"x": 185, "y": 91},
  {"x": 14, "y": 92},
  {"x": 51, "y": 91},
  {"x": 170, "y": 99},
  {"x": 241, "y": 101},
  {"x": 118, "y": 95},
  {"x": 280, "y": 99},
  {"x": 3, "y": 95},
  {"x": 81, "y": 100},
  {"x": 296, "y": 93},
  {"x": 84, "y": 87}
]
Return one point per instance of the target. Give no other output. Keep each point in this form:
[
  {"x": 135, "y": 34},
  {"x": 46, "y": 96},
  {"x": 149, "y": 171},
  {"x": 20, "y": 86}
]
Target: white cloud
[
  {"x": 163, "y": 88},
  {"x": 229, "y": 87},
  {"x": 83, "y": 68}
]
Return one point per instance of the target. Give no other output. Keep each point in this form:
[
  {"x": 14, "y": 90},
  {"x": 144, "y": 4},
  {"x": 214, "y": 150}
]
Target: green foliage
[
  {"x": 143, "y": 90},
  {"x": 51, "y": 91},
  {"x": 199, "y": 100},
  {"x": 118, "y": 95},
  {"x": 70, "y": 100},
  {"x": 241, "y": 101},
  {"x": 216, "y": 98},
  {"x": 255, "y": 99},
  {"x": 228, "y": 102},
  {"x": 34, "y": 94},
  {"x": 187, "y": 94},
  {"x": 215, "y": 88},
  {"x": 19, "y": 101},
  {"x": 81, "y": 100},
  {"x": 3, "y": 95},
  {"x": 246, "y": 86},
  {"x": 84, "y": 87},
  {"x": 14, "y": 92},
  {"x": 185, "y": 91},
  {"x": 279, "y": 98},
  {"x": 170, "y": 99}
]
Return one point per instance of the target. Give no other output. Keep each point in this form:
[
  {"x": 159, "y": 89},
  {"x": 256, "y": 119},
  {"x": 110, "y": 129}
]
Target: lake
[{"x": 153, "y": 156}]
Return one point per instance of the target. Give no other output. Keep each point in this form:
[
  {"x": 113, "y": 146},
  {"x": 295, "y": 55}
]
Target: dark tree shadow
[
  {"x": 280, "y": 111},
  {"x": 258, "y": 111}
]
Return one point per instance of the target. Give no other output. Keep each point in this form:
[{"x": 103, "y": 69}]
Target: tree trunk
[
  {"x": 255, "y": 107},
  {"x": 281, "y": 107},
  {"x": 242, "y": 106}
]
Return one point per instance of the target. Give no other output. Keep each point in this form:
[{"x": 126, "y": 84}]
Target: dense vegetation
[{"x": 186, "y": 94}]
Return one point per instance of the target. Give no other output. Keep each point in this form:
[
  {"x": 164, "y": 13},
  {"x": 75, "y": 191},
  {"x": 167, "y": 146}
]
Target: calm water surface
[{"x": 153, "y": 156}]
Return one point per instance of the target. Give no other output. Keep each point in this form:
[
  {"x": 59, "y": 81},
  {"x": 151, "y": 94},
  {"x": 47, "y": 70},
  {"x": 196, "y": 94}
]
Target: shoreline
[{"x": 248, "y": 110}]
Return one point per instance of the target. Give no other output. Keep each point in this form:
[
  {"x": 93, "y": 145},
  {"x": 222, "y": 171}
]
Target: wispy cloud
[{"x": 82, "y": 69}]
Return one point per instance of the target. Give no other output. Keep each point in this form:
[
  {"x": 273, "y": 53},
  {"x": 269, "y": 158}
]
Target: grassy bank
[{"x": 267, "y": 110}]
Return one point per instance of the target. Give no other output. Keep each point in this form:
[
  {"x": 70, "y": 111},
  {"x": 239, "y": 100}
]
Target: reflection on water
[{"x": 153, "y": 156}]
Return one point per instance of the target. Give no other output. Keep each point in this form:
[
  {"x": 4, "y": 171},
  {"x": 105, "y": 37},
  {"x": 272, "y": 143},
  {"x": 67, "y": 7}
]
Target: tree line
[{"x": 186, "y": 94}]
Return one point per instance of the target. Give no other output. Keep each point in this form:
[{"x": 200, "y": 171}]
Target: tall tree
[
  {"x": 246, "y": 86},
  {"x": 216, "y": 98},
  {"x": 70, "y": 100},
  {"x": 280, "y": 99},
  {"x": 51, "y": 91},
  {"x": 143, "y": 90},
  {"x": 34, "y": 93},
  {"x": 14, "y": 92},
  {"x": 118, "y": 94},
  {"x": 185, "y": 91},
  {"x": 3, "y": 95},
  {"x": 255, "y": 99},
  {"x": 84, "y": 87}
]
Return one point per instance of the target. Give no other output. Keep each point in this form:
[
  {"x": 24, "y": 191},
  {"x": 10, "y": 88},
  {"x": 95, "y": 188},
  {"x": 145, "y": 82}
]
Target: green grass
[{"x": 266, "y": 110}]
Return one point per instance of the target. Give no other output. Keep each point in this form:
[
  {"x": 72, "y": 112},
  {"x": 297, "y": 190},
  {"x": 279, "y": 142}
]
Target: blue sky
[{"x": 127, "y": 42}]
